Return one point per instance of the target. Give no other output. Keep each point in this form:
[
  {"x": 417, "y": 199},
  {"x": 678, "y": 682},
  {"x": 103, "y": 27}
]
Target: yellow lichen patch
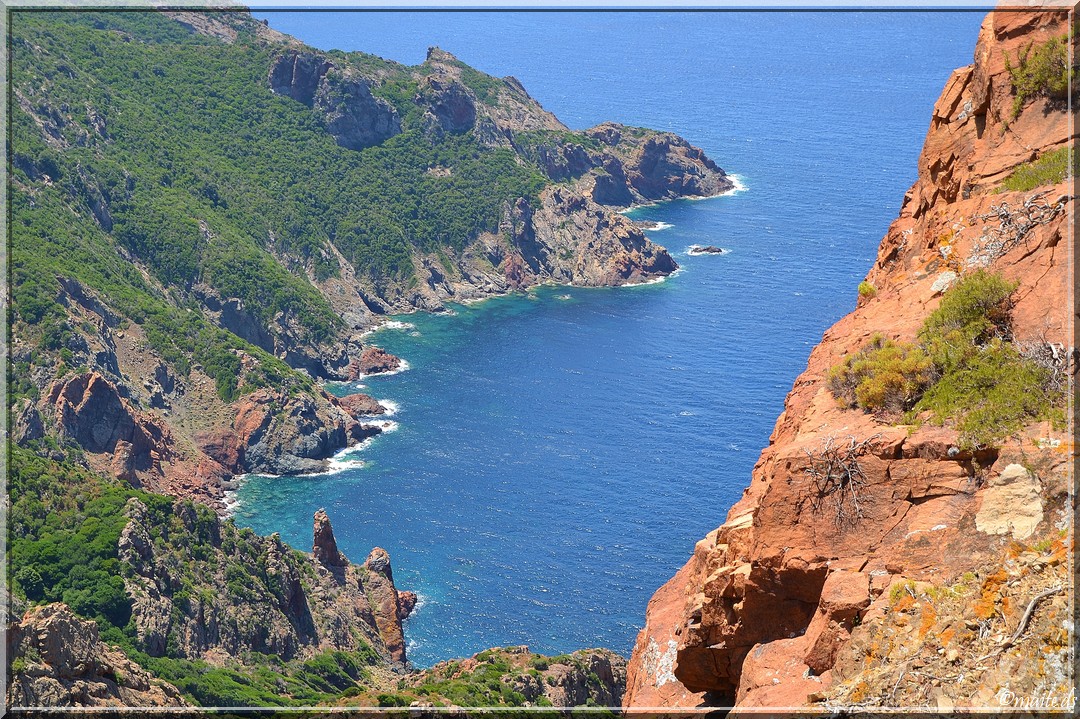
[
  {"x": 903, "y": 603},
  {"x": 986, "y": 604},
  {"x": 927, "y": 618},
  {"x": 1014, "y": 550},
  {"x": 859, "y": 692}
]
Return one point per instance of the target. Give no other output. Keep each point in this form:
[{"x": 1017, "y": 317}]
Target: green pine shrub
[
  {"x": 884, "y": 377},
  {"x": 1049, "y": 169},
  {"x": 1039, "y": 71},
  {"x": 963, "y": 370}
]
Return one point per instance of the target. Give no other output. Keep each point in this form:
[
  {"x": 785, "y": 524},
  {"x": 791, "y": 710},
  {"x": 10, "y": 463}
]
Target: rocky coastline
[{"x": 181, "y": 409}]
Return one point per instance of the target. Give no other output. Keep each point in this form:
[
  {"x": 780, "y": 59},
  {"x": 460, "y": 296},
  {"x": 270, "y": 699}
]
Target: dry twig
[
  {"x": 1014, "y": 225},
  {"x": 837, "y": 476}
]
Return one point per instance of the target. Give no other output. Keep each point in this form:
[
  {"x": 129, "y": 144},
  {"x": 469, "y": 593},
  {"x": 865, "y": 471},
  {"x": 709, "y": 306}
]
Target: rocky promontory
[
  {"x": 177, "y": 379},
  {"x": 174, "y": 311},
  {"x": 877, "y": 559}
]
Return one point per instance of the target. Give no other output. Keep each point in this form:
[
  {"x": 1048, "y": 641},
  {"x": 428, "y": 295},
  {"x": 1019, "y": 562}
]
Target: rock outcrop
[
  {"x": 361, "y": 405},
  {"x": 351, "y": 114},
  {"x": 783, "y": 592},
  {"x": 245, "y": 593},
  {"x": 652, "y": 166},
  {"x": 587, "y": 677},
  {"x": 56, "y": 659},
  {"x": 125, "y": 442},
  {"x": 324, "y": 547},
  {"x": 373, "y": 360},
  {"x": 386, "y": 603}
]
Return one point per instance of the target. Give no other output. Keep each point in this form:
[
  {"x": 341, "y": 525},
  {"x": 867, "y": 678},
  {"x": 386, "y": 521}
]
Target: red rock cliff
[{"x": 773, "y": 604}]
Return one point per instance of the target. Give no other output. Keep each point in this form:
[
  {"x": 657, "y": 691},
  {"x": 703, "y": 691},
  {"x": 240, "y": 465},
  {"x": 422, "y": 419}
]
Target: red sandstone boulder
[
  {"x": 361, "y": 405},
  {"x": 373, "y": 360}
]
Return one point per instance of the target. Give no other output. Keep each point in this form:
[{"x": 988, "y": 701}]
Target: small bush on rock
[{"x": 964, "y": 369}]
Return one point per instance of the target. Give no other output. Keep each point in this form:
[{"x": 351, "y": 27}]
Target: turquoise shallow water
[{"x": 559, "y": 452}]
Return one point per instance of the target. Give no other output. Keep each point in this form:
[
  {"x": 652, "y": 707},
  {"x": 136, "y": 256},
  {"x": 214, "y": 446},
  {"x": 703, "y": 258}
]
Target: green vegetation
[
  {"x": 1039, "y": 71},
  {"x": 1049, "y": 169},
  {"x": 964, "y": 369},
  {"x": 264, "y": 680},
  {"x": 63, "y": 529},
  {"x": 495, "y": 681},
  {"x": 168, "y": 147},
  {"x": 867, "y": 290},
  {"x": 62, "y": 533},
  {"x": 883, "y": 377},
  {"x": 991, "y": 395}
]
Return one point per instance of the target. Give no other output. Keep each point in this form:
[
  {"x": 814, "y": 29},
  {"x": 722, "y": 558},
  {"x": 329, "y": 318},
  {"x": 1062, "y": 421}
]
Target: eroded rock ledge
[{"x": 783, "y": 605}]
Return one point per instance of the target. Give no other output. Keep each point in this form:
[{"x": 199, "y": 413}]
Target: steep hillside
[
  {"x": 207, "y": 215},
  {"x": 904, "y": 538},
  {"x": 120, "y": 597}
]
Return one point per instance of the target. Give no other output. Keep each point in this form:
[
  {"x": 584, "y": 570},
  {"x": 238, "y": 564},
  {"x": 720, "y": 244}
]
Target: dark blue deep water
[{"x": 560, "y": 452}]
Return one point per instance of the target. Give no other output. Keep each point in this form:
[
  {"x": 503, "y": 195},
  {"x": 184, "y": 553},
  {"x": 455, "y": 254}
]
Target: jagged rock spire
[{"x": 324, "y": 546}]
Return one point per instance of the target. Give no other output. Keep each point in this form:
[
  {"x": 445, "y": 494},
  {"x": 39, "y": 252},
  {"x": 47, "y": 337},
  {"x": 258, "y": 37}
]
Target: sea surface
[{"x": 558, "y": 453}]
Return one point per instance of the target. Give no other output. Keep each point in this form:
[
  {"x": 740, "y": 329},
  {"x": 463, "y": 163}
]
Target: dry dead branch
[
  {"x": 1014, "y": 225},
  {"x": 838, "y": 478}
]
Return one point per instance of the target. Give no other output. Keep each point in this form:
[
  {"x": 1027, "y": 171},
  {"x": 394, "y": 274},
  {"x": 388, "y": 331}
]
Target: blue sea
[{"x": 559, "y": 452}]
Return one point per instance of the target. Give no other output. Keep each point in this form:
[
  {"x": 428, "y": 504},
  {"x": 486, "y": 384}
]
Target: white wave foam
[
  {"x": 389, "y": 325},
  {"x": 421, "y": 602},
  {"x": 388, "y": 426},
  {"x": 738, "y": 185},
  {"x": 652, "y": 280},
  {"x": 563, "y": 297},
  {"x": 660, "y": 226},
  {"x": 470, "y": 301},
  {"x": 391, "y": 406},
  {"x": 230, "y": 502}
]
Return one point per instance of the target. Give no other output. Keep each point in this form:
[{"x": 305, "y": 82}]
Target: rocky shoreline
[{"x": 168, "y": 399}]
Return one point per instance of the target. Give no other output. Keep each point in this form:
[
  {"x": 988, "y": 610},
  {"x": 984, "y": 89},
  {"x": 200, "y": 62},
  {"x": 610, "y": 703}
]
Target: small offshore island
[{"x": 210, "y": 219}]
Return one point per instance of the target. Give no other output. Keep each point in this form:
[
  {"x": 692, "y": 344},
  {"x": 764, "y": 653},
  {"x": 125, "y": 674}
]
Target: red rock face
[
  {"x": 65, "y": 664},
  {"x": 385, "y": 602},
  {"x": 406, "y": 604},
  {"x": 131, "y": 445},
  {"x": 361, "y": 405},
  {"x": 761, "y": 610},
  {"x": 373, "y": 360}
]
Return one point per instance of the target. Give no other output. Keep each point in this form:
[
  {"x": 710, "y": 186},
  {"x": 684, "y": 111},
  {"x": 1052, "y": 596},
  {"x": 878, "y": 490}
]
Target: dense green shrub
[
  {"x": 990, "y": 395},
  {"x": 964, "y": 369},
  {"x": 975, "y": 311},
  {"x": 203, "y": 175},
  {"x": 63, "y": 528},
  {"x": 1039, "y": 71},
  {"x": 883, "y": 377},
  {"x": 867, "y": 290}
]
